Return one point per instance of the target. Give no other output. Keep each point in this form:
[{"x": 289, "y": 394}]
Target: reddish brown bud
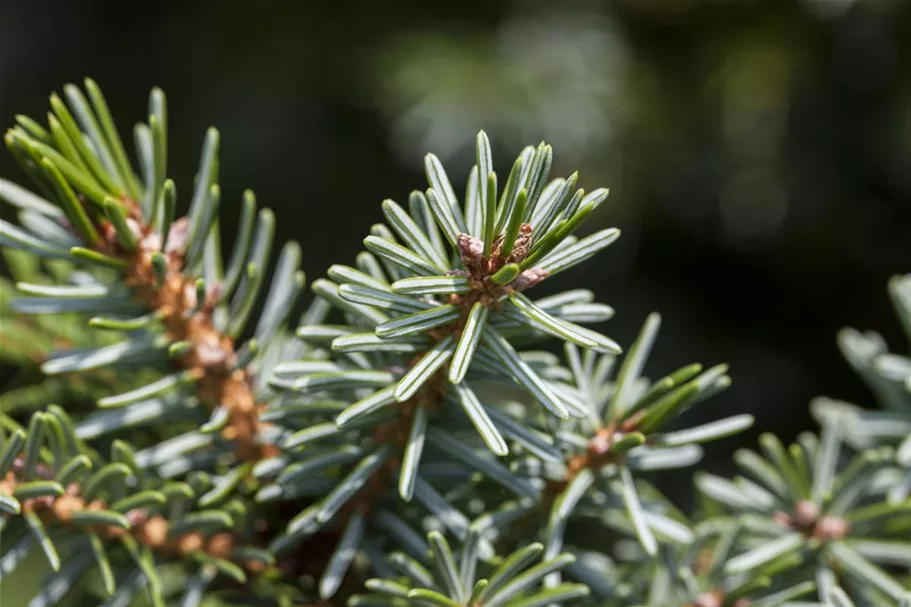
[
  {"x": 190, "y": 542},
  {"x": 522, "y": 245},
  {"x": 255, "y": 566},
  {"x": 136, "y": 516},
  {"x": 220, "y": 545},
  {"x": 154, "y": 532},
  {"x": 65, "y": 505},
  {"x": 529, "y": 278},
  {"x": 600, "y": 443},
  {"x": 708, "y": 599},
  {"x": 832, "y": 528},
  {"x": 805, "y": 513},
  {"x": 177, "y": 236},
  {"x": 471, "y": 250},
  {"x": 210, "y": 353},
  {"x": 151, "y": 242}
]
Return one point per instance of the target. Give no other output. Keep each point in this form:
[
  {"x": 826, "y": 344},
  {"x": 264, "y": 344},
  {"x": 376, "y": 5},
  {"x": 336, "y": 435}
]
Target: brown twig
[
  {"x": 211, "y": 358},
  {"x": 149, "y": 530}
]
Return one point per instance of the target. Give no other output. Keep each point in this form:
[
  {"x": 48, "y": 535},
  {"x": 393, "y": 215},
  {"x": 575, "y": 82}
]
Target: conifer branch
[
  {"x": 406, "y": 445},
  {"x": 159, "y": 257}
]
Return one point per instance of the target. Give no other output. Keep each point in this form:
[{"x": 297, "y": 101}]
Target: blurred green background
[{"x": 758, "y": 151}]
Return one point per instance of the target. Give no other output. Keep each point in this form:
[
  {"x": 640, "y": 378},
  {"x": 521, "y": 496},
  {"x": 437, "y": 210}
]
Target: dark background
[{"x": 758, "y": 152}]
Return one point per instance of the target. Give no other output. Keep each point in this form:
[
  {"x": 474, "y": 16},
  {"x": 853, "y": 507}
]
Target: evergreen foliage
[{"x": 400, "y": 441}]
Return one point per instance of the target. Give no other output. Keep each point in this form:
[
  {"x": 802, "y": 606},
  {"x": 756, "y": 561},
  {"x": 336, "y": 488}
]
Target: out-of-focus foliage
[
  {"x": 25, "y": 343},
  {"x": 567, "y": 86}
]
